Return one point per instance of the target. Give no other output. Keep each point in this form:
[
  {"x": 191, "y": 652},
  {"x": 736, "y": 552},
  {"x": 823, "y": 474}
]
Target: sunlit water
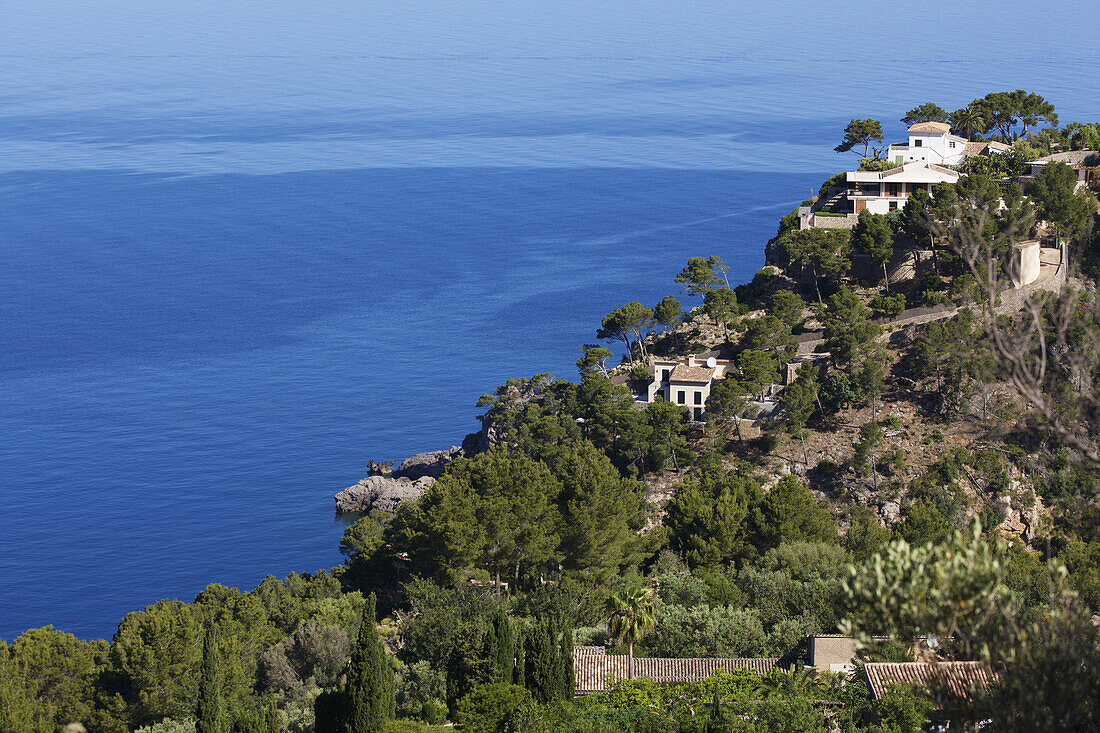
[{"x": 243, "y": 252}]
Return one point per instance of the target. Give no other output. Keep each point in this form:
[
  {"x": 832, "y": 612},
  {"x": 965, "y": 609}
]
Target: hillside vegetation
[{"x": 934, "y": 479}]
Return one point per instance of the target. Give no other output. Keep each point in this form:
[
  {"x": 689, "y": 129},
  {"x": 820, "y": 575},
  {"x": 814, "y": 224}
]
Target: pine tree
[
  {"x": 368, "y": 696},
  {"x": 211, "y": 715}
]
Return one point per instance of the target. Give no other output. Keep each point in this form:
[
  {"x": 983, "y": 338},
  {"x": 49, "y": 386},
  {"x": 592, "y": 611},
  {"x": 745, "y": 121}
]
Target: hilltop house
[
  {"x": 686, "y": 382},
  {"x": 881, "y": 192},
  {"x": 929, "y": 142}
]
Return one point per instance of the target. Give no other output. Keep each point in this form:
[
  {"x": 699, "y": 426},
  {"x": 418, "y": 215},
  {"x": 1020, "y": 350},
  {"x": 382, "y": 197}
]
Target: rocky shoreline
[{"x": 386, "y": 491}]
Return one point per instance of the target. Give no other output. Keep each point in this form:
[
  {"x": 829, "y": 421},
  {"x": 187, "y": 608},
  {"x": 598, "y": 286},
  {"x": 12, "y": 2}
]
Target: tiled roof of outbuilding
[
  {"x": 958, "y": 677},
  {"x": 592, "y": 670}
]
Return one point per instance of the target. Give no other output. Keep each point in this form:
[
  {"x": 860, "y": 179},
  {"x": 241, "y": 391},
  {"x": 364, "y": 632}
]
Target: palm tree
[
  {"x": 968, "y": 118},
  {"x": 631, "y": 618},
  {"x": 798, "y": 683}
]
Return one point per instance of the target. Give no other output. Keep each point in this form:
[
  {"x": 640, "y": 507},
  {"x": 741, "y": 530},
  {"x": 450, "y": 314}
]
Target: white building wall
[
  {"x": 879, "y": 205},
  {"x": 933, "y": 149}
]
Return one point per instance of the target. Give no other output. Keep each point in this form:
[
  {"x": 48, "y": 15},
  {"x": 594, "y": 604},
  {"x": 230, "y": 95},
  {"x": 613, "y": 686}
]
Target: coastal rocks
[
  {"x": 430, "y": 463},
  {"x": 385, "y": 493}
]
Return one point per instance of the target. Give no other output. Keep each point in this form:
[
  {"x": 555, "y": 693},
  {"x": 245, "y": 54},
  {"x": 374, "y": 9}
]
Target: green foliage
[
  {"x": 49, "y": 677},
  {"x": 866, "y": 535},
  {"x": 486, "y": 708},
  {"x": 369, "y": 692},
  {"x": 872, "y": 236},
  {"x": 702, "y": 631},
  {"x": 848, "y": 330},
  {"x": 157, "y": 651},
  {"x": 903, "y": 709},
  {"x": 758, "y": 370},
  {"x": 923, "y": 522},
  {"x": 927, "y": 112},
  {"x": 861, "y": 132},
  {"x": 1002, "y": 111},
  {"x": 954, "y": 590},
  {"x": 1071, "y": 212},
  {"x": 721, "y": 305},
  {"x": 543, "y": 665},
  {"x": 822, "y": 252},
  {"x": 888, "y": 305},
  {"x": 600, "y": 511},
  {"x": 314, "y": 655},
  {"x": 594, "y": 359},
  {"x": 211, "y": 715},
  {"x": 790, "y": 514},
  {"x": 628, "y": 323},
  {"x": 969, "y": 119},
  {"x": 770, "y": 334},
  {"x": 876, "y": 164},
  {"x": 708, "y": 518},
  {"x": 787, "y": 306},
  {"x": 668, "y": 313},
  {"x": 496, "y": 511},
  {"x": 702, "y": 274}
]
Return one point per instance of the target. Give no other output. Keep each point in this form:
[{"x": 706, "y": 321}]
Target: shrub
[{"x": 488, "y": 706}]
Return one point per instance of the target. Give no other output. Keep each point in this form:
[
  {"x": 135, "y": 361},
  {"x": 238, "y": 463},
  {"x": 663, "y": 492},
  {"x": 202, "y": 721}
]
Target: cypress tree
[
  {"x": 211, "y": 715},
  {"x": 500, "y": 648},
  {"x": 541, "y": 661},
  {"x": 368, "y": 696},
  {"x": 518, "y": 677},
  {"x": 568, "y": 681}
]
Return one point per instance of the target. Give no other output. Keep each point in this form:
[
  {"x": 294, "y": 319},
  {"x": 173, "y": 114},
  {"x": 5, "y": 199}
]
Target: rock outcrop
[
  {"x": 381, "y": 492},
  {"x": 431, "y": 464}
]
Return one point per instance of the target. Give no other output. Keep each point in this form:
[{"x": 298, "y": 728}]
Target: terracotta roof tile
[
  {"x": 696, "y": 374},
  {"x": 592, "y": 671},
  {"x": 930, "y": 127},
  {"x": 959, "y": 677}
]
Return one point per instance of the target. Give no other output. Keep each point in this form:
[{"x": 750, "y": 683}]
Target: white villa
[
  {"x": 929, "y": 142},
  {"x": 881, "y": 192},
  {"x": 686, "y": 381}
]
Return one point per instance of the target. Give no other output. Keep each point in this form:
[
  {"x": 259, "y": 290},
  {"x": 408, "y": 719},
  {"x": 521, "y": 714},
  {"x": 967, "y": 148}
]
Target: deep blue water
[{"x": 239, "y": 259}]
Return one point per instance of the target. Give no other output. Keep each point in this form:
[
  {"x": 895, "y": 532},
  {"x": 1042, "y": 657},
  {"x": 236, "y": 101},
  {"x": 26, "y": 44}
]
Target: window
[
  {"x": 951, "y": 144},
  {"x": 893, "y": 206},
  {"x": 664, "y": 374},
  {"x": 698, "y": 413},
  {"x": 893, "y": 189},
  {"x": 680, "y": 397},
  {"x": 917, "y": 142}
]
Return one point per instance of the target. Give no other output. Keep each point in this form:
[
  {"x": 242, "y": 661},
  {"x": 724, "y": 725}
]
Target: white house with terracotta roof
[
  {"x": 881, "y": 192},
  {"x": 929, "y": 142}
]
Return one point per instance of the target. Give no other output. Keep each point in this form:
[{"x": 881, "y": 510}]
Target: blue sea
[{"x": 245, "y": 247}]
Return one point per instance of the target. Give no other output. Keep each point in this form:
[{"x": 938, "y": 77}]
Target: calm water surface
[{"x": 242, "y": 251}]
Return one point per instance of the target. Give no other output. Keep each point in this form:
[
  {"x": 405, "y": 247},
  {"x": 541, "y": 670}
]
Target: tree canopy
[{"x": 861, "y": 132}]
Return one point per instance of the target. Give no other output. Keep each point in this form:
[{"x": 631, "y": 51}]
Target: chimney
[{"x": 691, "y": 360}]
